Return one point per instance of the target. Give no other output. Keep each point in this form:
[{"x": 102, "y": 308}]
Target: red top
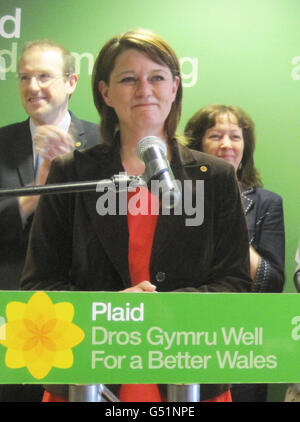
[{"x": 141, "y": 227}]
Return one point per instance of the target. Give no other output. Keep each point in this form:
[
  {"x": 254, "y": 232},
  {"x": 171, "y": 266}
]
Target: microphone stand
[
  {"x": 91, "y": 393},
  {"x": 183, "y": 393},
  {"x": 117, "y": 183},
  {"x": 177, "y": 393}
]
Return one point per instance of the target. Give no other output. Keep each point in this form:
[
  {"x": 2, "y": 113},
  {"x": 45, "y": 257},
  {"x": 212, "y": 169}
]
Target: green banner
[{"x": 108, "y": 337}]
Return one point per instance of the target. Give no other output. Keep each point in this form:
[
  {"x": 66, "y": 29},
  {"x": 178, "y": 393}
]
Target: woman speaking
[{"x": 138, "y": 92}]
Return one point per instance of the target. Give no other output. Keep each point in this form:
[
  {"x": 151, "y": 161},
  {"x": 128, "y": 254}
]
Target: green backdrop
[{"x": 242, "y": 52}]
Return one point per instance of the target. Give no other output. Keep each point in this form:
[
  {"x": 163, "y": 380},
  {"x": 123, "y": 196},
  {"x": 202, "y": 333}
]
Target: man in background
[{"x": 47, "y": 79}]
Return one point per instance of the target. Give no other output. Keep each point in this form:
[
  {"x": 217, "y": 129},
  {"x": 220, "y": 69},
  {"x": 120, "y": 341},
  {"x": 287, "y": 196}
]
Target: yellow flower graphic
[{"x": 40, "y": 335}]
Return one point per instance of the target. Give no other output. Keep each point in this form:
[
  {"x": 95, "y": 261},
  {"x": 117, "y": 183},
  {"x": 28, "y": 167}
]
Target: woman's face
[
  {"x": 225, "y": 140},
  {"x": 141, "y": 92}
]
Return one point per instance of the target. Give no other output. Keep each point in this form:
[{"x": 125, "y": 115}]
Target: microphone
[{"x": 152, "y": 151}]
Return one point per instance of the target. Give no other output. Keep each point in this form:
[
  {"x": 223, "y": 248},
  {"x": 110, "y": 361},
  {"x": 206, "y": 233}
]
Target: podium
[{"x": 183, "y": 340}]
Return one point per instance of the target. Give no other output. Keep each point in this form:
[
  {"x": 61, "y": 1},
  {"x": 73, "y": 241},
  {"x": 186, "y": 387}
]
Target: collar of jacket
[
  {"x": 22, "y": 157},
  {"x": 248, "y": 197},
  {"x": 76, "y": 129},
  {"x": 108, "y": 161}
]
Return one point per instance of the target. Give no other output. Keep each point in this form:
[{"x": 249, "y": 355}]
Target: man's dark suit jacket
[
  {"x": 17, "y": 170},
  {"x": 72, "y": 247}
]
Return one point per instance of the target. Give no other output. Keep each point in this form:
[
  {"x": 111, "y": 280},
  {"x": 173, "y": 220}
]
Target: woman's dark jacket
[
  {"x": 264, "y": 214},
  {"x": 72, "y": 247}
]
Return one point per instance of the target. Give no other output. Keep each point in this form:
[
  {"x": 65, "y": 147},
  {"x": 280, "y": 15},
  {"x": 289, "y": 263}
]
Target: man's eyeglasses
[{"x": 41, "y": 78}]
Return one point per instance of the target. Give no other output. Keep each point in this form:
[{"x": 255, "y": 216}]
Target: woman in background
[{"x": 227, "y": 132}]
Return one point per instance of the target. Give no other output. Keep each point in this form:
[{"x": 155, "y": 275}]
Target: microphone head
[
  {"x": 153, "y": 150},
  {"x": 148, "y": 142}
]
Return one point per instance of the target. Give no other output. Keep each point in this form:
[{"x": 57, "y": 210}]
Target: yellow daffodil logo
[{"x": 40, "y": 335}]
